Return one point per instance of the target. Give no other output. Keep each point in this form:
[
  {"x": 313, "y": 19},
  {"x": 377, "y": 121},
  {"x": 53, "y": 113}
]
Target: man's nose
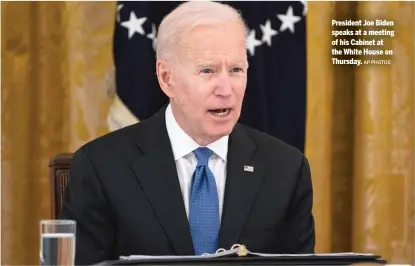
[{"x": 224, "y": 85}]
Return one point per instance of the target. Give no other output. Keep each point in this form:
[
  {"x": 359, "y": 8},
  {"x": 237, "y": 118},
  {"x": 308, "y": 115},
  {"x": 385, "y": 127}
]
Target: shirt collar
[{"x": 183, "y": 144}]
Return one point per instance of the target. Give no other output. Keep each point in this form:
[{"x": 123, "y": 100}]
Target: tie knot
[{"x": 203, "y": 154}]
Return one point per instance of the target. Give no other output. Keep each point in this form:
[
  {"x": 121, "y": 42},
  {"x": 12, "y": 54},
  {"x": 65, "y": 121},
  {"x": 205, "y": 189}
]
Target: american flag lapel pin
[{"x": 248, "y": 168}]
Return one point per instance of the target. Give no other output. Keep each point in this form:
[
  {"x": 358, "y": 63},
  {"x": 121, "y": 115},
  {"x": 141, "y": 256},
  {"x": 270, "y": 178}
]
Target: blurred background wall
[{"x": 57, "y": 89}]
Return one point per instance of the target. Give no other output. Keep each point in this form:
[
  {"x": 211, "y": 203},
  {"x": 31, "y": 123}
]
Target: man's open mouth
[{"x": 220, "y": 112}]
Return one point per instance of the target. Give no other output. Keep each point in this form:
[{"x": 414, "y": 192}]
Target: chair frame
[{"x": 60, "y": 163}]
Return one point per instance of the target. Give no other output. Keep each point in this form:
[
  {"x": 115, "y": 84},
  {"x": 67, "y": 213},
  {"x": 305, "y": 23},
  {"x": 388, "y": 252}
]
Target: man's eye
[
  {"x": 207, "y": 71},
  {"x": 237, "y": 69}
]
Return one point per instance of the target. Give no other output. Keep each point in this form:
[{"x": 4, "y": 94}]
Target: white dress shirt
[{"x": 183, "y": 146}]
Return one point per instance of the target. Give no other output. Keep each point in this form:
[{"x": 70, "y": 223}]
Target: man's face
[{"x": 209, "y": 79}]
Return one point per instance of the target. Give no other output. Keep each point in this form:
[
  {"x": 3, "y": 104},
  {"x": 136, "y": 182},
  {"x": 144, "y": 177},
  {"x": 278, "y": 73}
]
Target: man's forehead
[
  {"x": 198, "y": 53},
  {"x": 221, "y": 42},
  {"x": 217, "y": 37},
  {"x": 206, "y": 58}
]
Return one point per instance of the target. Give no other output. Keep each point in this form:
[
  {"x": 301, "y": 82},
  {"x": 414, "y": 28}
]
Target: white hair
[{"x": 188, "y": 16}]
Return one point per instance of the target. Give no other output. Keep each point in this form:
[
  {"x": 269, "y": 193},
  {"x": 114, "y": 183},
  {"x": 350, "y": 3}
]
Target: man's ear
[{"x": 164, "y": 76}]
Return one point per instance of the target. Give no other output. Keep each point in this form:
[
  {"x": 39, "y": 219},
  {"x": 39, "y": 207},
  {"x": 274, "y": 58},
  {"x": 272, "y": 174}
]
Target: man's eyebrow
[
  {"x": 213, "y": 63},
  {"x": 240, "y": 63},
  {"x": 206, "y": 63}
]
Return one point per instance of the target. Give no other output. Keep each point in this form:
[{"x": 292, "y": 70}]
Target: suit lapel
[
  {"x": 242, "y": 185},
  {"x": 157, "y": 174}
]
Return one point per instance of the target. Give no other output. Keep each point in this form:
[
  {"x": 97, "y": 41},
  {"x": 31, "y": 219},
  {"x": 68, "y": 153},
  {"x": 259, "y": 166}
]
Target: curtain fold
[
  {"x": 383, "y": 176},
  {"x": 56, "y": 93},
  {"x": 360, "y": 136},
  {"x": 318, "y": 146},
  {"x": 55, "y": 57}
]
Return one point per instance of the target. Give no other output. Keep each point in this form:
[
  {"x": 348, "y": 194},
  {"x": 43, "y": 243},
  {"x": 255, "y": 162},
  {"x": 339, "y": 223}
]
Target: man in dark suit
[{"x": 191, "y": 179}]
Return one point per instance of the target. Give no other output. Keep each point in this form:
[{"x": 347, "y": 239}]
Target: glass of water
[{"x": 57, "y": 242}]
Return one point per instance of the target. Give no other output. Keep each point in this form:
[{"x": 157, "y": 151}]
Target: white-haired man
[{"x": 191, "y": 179}]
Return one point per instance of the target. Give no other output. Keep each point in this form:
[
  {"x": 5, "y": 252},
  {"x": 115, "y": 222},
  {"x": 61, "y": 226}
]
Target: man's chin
[{"x": 221, "y": 131}]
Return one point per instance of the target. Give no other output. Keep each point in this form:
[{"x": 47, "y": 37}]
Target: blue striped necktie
[{"x": 204, "y": 205}]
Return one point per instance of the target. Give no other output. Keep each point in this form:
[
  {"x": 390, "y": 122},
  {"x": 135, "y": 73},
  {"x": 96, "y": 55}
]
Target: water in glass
[
  {"x": 57, "y": 242},
  {"x": 58, "y": 249}
]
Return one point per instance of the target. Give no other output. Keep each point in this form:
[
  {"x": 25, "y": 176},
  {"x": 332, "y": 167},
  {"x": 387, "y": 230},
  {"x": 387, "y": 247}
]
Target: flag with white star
[{"x": 275, "y": 98}]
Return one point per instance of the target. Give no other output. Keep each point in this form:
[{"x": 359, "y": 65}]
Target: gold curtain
[
  {"x": 360, "y": 136},
  {"x": 57, "y": 60}
]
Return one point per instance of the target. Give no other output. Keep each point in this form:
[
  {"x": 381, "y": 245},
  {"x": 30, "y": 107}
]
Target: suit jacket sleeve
[
  {"x": 300, "y": 218},
  {"x": 86, "y": 203}
]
